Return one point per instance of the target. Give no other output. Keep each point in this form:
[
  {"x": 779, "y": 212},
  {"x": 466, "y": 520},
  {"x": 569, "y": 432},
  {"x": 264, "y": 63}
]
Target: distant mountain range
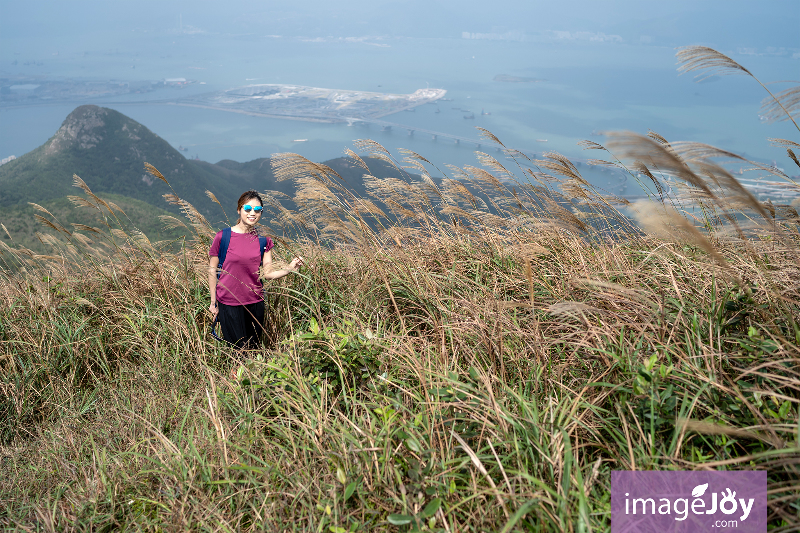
[{"x": 108, "y": 151}]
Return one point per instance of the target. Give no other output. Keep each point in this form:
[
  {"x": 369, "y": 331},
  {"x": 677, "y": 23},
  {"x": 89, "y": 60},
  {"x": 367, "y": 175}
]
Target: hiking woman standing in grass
[{"x": 237, "y": 298}]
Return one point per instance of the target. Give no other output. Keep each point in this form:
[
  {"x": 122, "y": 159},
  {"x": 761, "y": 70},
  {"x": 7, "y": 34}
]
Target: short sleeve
[
  {"x": 214, "y": 250},
  {"x": 270, "y": 245}
]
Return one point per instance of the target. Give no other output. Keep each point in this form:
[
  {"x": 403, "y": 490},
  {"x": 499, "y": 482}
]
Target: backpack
[{"x": 223, "y": 249}]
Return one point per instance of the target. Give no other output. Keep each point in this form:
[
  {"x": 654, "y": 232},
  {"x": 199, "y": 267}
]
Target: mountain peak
[
  {"x": 83, "y": 128},
  {"x": 108, "y": 151}
]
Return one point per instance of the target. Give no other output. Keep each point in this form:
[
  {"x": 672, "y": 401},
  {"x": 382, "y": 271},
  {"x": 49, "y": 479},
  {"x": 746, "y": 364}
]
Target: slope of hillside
[
  {"x": 108, "y": 151},
  {"x": 22, "y": 227}
]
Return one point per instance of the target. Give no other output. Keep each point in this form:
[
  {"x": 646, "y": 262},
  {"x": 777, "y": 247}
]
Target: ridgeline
[{"x": 108, "y": 150}]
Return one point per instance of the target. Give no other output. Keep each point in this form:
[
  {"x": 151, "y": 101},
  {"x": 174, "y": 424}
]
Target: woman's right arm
[{"x": 213, "y": 263}]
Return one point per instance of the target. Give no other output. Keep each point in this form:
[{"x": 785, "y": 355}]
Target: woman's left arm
[{"x": 268, "y": 273}]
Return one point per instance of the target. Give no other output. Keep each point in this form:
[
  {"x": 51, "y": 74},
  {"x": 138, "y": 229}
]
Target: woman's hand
[
  {"x": 293, "y": 266},
  {"x": 214, "y": 310}
]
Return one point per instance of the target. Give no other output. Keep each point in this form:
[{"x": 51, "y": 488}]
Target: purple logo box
[{"x": 687, "y": 502}]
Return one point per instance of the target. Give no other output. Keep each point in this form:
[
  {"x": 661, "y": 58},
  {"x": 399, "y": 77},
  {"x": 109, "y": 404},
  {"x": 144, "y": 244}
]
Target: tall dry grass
[{"x": 467, "y": 354}]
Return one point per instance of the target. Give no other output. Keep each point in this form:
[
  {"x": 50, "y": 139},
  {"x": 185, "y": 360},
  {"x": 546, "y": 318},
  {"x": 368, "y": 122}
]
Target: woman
[{"x": 236, "y": 290}]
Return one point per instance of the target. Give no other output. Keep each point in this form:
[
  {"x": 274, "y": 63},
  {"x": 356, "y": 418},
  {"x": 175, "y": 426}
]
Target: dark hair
[{"x": 246, "y": 197}]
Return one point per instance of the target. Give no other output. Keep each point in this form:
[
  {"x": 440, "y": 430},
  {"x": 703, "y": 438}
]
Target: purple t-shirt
[{"x": 239, "y": 284}]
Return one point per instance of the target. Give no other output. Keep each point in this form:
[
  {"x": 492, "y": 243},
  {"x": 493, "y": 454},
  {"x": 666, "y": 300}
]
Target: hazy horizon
[{"x": 728, "y": 25}]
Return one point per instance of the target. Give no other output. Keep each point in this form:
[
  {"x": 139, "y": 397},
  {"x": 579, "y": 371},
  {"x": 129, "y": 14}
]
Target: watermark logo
[{"x": 687, "y": 502}]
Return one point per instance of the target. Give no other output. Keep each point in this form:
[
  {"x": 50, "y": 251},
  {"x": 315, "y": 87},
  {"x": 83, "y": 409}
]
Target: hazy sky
[{"x": 740, "y": 23}]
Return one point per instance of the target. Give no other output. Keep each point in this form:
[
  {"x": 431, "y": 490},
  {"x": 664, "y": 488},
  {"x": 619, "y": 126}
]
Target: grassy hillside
[
  {"x": 22, "y": 225},
  {"x": 443, "y": 363},
  {"x": 469, "y": 372}
]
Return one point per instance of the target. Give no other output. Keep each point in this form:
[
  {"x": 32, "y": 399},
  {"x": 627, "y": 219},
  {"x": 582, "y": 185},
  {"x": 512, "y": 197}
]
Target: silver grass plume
[
  {"x": 703, "y": 58},
  {"x": 640, "y": 148},
  {"x": 115, "y": 207},
  {"x": 486, "y": 134},
  {"x": 492, "y": 164},
  {"x": 376, "y": 150},
  {"x": 782, "y": 106},
  {"x": 84, "y": 227},
  {"x": 153, "y": 171},
  {"x": 590, "y": 145},
  {"x": 351, "y": 154}
]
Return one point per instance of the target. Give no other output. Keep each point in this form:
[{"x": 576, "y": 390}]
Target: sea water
[{"x": 585, "y": 89}]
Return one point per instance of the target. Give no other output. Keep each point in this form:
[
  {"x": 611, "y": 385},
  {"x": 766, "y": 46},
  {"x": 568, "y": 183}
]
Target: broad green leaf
[
  {"x": 351, "y": 488},
  {"x": 784, "y": 409},
  {"x": 431, "y": 508},
  {"x": 413, "y": 445}
]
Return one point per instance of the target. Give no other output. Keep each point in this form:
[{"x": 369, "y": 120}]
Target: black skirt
[{"x": 242, "y": 325}]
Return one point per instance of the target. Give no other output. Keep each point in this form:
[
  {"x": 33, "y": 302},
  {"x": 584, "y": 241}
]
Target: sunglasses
[{"x": 248, "y": 208}]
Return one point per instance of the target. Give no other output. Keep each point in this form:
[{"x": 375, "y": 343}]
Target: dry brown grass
[{"x": 470, "y": 354}]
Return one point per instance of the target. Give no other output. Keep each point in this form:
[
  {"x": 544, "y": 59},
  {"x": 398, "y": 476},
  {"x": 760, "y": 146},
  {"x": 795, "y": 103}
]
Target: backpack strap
[
  {"x": 262, "y": 241},
  {"x": 223, "y": 249}
]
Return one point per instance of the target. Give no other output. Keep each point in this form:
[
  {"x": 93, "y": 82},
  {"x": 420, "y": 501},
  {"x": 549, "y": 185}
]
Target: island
[
  {"x": 26, "y": 91},
  {"x": 310, "y": 103}
]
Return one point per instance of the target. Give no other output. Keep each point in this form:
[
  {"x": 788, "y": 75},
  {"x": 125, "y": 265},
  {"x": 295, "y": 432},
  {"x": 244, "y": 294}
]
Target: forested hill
[{"x": 108, "y": 151}]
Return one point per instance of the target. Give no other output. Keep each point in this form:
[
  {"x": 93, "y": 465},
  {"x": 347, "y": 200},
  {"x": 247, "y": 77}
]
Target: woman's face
[{"x": 250, "y": 218}]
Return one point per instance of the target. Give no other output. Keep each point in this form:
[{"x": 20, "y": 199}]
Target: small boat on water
[
  {"x": 484, "y": 112},
  {"x": 182, "y": 149},
  {"x": 299, "y": 140},
  {"x": 541, "y": 140},
  {"x": 438, "y": 110},
  {"x": 470, "y": 116}
]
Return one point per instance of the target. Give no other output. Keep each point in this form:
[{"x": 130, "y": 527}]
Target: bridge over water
[
  {"x": 386, "y": 125},
  {"x": 436, "y": 135}
]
